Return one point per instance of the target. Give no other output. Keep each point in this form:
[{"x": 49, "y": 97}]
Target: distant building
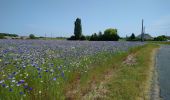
[{"x": 146, "y": 37}]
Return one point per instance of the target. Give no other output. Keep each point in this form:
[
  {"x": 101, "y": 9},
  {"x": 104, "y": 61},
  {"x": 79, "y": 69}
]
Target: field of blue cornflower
[{"x": 38, "y": 69}]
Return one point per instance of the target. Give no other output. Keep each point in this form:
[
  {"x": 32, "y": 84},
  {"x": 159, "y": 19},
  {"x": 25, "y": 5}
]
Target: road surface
[{"x": 163, "y": 67}]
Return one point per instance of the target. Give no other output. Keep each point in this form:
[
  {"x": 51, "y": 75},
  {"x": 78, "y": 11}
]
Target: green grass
[
  {"x": 128, "y": 81},
  {"x": 160, "y": 42}
]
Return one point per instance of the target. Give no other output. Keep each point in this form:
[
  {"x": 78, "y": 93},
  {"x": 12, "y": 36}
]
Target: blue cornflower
[
  {"x": 62, "y": 74},
  {"x": 14, "y": 73},
  {"x": 30, "y": 88},
  {"x": 21, "y": 93},
  {"x": 25, "y": 86},
  {"x": 3, "y": 85},
  {"x": 54, "y": 78},
  {"x": 10, "y": 89},
  {"x": 38, "y": 69},
  {"x": 21, "y": 82},
  {"x": 40, "y": 76}
]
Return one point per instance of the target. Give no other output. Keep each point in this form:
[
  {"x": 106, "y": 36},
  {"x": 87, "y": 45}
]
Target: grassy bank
[
  {"x": 124, "y": 76},
  {"x": 160, "y": 42}
]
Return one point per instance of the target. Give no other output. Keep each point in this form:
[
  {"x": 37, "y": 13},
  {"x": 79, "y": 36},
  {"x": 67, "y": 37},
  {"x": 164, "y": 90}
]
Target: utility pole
[{"x": 142, "y": 33}]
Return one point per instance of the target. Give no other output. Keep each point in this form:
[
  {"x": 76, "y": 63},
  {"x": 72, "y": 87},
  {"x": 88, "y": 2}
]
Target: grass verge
[{"x": 115, "y": 80}]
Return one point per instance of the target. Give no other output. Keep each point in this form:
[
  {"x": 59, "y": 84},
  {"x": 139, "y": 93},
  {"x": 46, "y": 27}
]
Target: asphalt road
[{"x": 163, "y": 65}]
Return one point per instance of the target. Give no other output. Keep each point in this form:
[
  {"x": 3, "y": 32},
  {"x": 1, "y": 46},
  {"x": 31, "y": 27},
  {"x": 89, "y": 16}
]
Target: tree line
[
  {"x": 109, "y": 34},
  {"x": 2, "y": 35}
]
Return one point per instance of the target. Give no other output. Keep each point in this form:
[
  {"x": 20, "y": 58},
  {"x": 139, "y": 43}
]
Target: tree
[
  {"x": 132, "y": 37},
  {"x": 160, "y": 38},
  {"x": 110, "y": 35},
  {"x": 32, "y": 36},
  {"x": 2, "y": 37},
  {"x": 100, "y": 36},
  {"x": 77, "y": 29},
  {"x": 94, "y": 37}
]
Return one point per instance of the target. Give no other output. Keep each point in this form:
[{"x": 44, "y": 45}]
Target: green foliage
[
  {"x": 2, "y": 35},
  {"x": 32, "y": 36},
  {"x": 82, "y": 37},
  {"x": 132, "y": 38},
  {"x": 77, "y": 29},
  {"x": 160, "y": 38},
  {"x": 72, "y": 38},
  {"x": 110, "y": 35},
  {"x": 94, "y": 37}
]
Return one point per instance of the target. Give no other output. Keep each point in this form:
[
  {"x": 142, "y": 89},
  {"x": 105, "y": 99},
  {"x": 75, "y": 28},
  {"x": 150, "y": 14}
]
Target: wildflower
[
  {"x": 14, "y": 73},
  {"x": 21, "y": 81},
  {"x": 1, "y": 81},
  {"x": 10, "y": 89},
  {"x": 39, "y": 92},
  {"x": 38, "y": 69},
  {"x": 25, "y": 87},
  {"x": 13, "y": 81},
  {"x": 30, "y": 88},
  {"x": 62, "y": 74},
  {"x": 21, "y": 93},
  {"x": 3, "y": 85},
  {"x": 54, "y": 78}
]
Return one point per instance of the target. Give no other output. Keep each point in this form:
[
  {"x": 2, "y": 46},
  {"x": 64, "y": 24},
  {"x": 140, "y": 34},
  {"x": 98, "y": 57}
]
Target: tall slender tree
[{"x": 77, "y": 29}]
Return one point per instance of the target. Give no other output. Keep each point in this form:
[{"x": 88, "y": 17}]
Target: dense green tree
[
  {"x": 110, "y": 35},
  {"x": 161, "y": 38},
  {"x": 82, "y": 37},
  {"x": 32, "y": 36},
  {"x": 94, "y": 37},
  {"x": 100, "y": 36},
  {"x": 132, "y": 37},
  {"x": 77, "y": 29},
  {"x": 2, "y": 37}
]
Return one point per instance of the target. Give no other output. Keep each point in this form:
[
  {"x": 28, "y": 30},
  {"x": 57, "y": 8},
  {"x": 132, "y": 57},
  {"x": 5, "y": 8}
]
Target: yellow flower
[{"x": 0, "y": 60}]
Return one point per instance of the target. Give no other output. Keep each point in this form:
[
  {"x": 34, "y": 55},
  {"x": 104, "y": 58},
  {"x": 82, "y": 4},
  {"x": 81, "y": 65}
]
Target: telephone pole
[{"x": 142, "y": 33}]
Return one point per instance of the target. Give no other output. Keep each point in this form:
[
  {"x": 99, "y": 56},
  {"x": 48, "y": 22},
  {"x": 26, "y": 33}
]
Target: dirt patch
[
  {"x": 130, "y": 60},
  {"x": 73, "y": 89},
  {"x": 99, "y": 91},
  {"x": 95, "y": 90}
]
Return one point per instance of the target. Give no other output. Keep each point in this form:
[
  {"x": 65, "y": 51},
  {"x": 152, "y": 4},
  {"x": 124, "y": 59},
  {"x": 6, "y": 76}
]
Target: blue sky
[{"x": 57, "y": 17}]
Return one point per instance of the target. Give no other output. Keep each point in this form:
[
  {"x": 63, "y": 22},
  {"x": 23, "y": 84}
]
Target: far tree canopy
[
  {"x": 32, "y": 36},
  {"x": 109, "y": 35}
]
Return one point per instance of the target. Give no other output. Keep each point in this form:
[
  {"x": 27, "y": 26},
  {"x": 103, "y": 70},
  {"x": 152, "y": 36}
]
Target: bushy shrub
[
  {"x": 110, "y": 35},
  {"x": 2, "y": 37},
  {"x": 32, "y": 36},
  {"x": 160, "y": 38},
  {"x": 132, "y": 38}
]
